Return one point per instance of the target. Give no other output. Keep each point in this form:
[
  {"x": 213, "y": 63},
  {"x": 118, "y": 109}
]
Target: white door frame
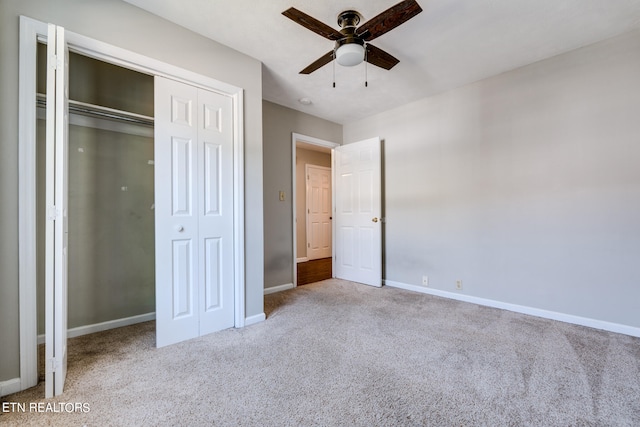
[
  {"x": 295, "y": 138},
  {"x": 30, "y": 32}
]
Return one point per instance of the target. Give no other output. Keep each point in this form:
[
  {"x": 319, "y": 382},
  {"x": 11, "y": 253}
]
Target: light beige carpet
[{"x": 342, "y": 354}]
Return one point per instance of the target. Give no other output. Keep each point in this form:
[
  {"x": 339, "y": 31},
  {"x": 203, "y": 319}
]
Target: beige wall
[
  {"x": 125, "y": 26},
  {"x": 279, "y": 123},
  {"x": 303, "y": 158},
  {"x": 525, "y": 186}
]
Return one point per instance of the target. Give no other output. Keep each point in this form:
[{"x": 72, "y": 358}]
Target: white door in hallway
[
  {"x": 194, "y": 211},
  {"x": 358, "y": 222},
  {"x": 56, "y": 229},
  {"x": 319, "y": 217}
]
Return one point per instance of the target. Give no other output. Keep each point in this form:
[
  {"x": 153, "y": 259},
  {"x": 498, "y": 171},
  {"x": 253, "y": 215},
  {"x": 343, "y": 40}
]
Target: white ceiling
[{"x": 450, "y": 44}]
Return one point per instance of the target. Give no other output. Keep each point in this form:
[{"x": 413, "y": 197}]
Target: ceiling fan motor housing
[
  {"x": 349, "y": 50},
  {"x": 349, "y": 19}
]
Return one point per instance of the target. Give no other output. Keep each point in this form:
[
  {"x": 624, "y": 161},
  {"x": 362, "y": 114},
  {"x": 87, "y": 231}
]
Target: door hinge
[
  {"x": 54, "y": 365},
  {"x": 53, "y": 62},
  {"x": 308, "y": 245},
  {"x": 52, "y": 213}
]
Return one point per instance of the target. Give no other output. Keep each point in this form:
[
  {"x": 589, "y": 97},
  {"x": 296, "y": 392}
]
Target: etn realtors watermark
[{"x": 46, "y": 407}]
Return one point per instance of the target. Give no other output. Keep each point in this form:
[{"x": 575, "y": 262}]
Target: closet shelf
[{"x": 77, "y": 107}]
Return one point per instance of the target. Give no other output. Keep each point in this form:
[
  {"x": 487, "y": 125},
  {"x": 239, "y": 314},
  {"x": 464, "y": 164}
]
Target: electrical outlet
[
  {"x": 459, "y": 284},
  {"x": 425, "y": 280}
]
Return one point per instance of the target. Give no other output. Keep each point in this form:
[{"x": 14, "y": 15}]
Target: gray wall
[
  {"x": 525, "y": 186},
  {"x": 100, "y": 83},
  {"x": 111, "y": 231},
  {"x": 120, "y": 24},
  {"x": 278, "y": 124},
  {"x": 303, "y": 158}
]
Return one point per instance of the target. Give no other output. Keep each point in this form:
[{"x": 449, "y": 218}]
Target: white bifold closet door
[
  {"x": 194, "y": 211},
  {"x": 56, "y": 229}
]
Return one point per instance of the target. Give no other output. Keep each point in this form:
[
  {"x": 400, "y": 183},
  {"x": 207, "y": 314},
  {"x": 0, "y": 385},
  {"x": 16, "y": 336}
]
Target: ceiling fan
[{"x": 352, "y": 42}]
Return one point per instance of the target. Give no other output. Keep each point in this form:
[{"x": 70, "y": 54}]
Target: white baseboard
[
  {"x": 252, "y": 320},
  {"x": 279, "y": 288},
  {"x": 10, "y": 386},
  {"x": 303, "y": 259},
  {"x": 546, "y": 314},
  {"x": 111, "y": 324}
]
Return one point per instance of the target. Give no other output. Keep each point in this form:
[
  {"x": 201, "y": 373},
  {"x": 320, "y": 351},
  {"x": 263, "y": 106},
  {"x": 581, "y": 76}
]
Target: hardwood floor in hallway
[{"x": 314, "y": 271}]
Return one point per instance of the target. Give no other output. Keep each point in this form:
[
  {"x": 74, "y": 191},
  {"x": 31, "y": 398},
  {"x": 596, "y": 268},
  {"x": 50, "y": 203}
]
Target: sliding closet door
[
  {"x": 194, "y": 212},
  {"x": 56, "y": 260}
]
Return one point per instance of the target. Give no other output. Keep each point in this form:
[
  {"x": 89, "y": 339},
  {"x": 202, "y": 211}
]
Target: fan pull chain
[
  {"x": 366, "y": 77},
  {"x": 334, "y": 69}
]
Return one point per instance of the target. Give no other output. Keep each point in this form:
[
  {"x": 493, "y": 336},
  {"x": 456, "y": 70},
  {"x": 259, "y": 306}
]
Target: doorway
[{"x": 313, "y": 253}]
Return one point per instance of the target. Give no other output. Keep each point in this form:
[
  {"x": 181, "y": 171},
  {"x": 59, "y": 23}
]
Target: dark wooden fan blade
[
  {"x": 379, "y": 57},
  {"x": 312, "y": 24},
  {"x": 320, "y": 62},
  {"x": 388, "y": 20}
]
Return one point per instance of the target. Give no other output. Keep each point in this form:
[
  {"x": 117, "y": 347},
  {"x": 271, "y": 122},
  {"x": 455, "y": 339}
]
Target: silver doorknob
[
  {"x": 375, "y": 220},
  {"x": 179, "y": 228}
]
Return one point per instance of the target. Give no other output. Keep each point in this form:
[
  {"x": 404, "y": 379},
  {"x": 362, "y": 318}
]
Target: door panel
[
  {"x": 182, "y": 280},
  {"x": 358, "y": 211},
  {"x": 182, "y": 172},
  {"x": 215, "y": 220},
  {"x": 346, "y": 248},
  {"x": 212, "y": 170},
  {"x": 213, "y": 279},
  {"x": 367, "y": 261},
  {"x": 56, "y": 260},
  {"x": 176, "y": 219}
]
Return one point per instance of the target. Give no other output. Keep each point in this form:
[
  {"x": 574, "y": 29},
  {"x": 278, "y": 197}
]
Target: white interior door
[
  {"x": 319, "y": 228},
  {"x": 358, "y": 246},
  {"x": 56, "y": 232},
  {"x": 193, "y": 212}
]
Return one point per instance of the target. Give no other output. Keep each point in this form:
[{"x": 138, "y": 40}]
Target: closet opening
[{"x": 111, "y": 273}]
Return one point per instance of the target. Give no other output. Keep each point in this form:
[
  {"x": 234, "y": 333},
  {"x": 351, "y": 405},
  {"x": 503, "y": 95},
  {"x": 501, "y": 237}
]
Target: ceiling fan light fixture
[
  {"x": 352, "y": 41},
  {"x": 350, "y": 54}
]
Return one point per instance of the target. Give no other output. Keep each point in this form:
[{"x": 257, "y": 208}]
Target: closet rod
[{"x": 98, "y": 111}]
